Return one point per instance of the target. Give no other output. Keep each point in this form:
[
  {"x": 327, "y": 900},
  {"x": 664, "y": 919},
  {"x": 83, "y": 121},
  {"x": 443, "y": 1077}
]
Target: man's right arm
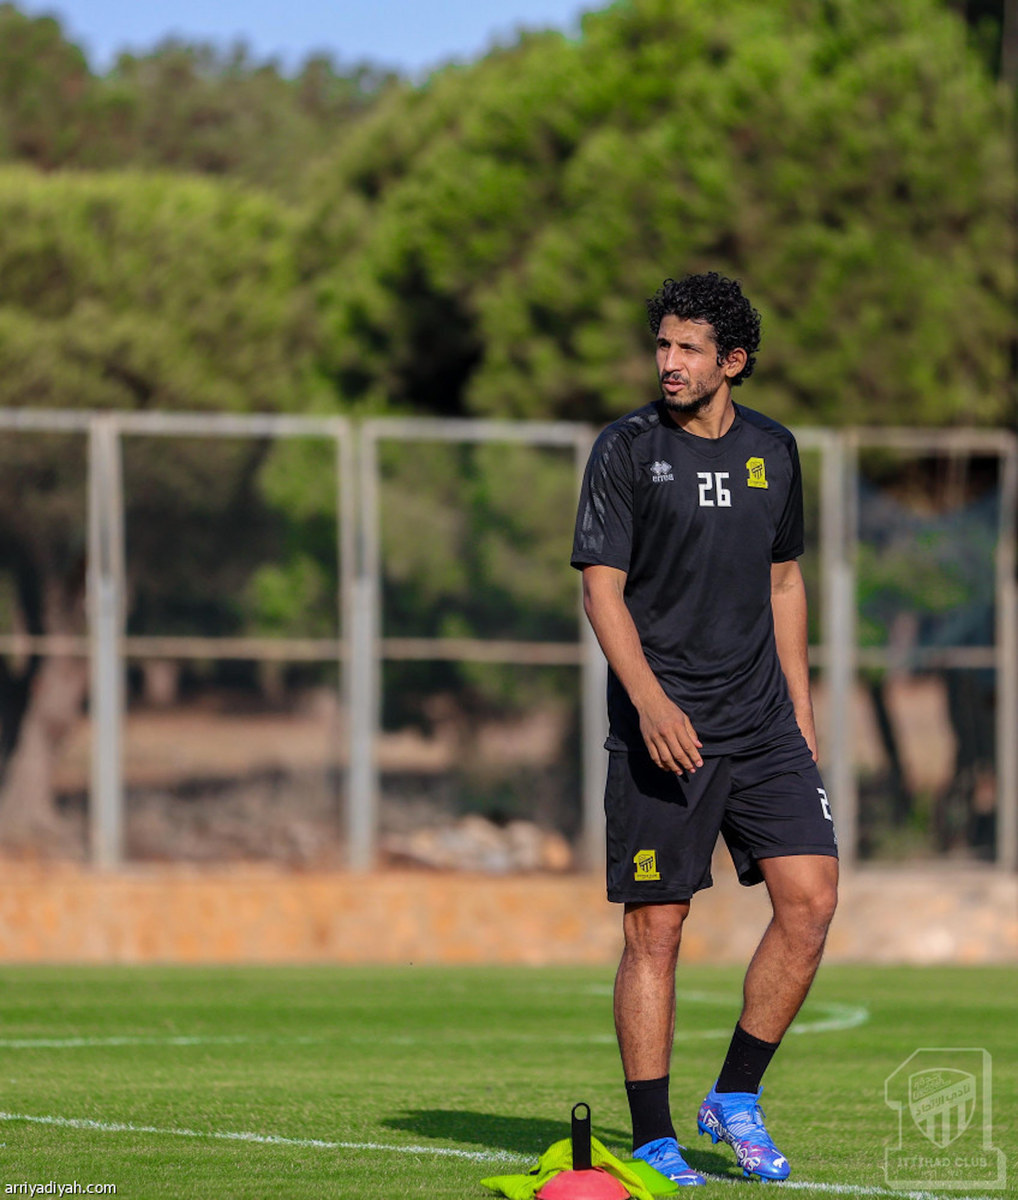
[{"x": 667, "y": 732}]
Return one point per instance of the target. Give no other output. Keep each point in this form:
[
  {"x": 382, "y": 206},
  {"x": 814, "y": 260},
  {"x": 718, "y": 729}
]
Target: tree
[
  {"x": 495, "y": 231},
  {"x": 123, "y": 292},
  {"x": 197, "y": 109},
  {"x": 181, "y": 106},
  {"x": 48, "y": 96}
]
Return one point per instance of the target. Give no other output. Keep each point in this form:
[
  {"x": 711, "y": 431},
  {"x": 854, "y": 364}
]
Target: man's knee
[
  {"x": 820, "y": 904},
  {"x": 804, "y": 892},
  {"x": 653, "y": 931}
]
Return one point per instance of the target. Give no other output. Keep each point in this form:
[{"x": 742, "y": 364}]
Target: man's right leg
[
  {"x": 661, "y": 830},
  {"x": 645, "y": 1025},
  {"x": 645, "y": 988}
]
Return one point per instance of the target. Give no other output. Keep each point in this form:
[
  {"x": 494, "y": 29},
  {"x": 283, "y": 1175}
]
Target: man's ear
[{"x": 735, "y": 361}]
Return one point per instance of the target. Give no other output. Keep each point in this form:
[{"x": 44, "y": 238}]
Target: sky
[{"x": 411, "y": 35}]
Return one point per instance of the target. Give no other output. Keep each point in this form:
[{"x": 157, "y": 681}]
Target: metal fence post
[
  {"x": 593, "y": 714},
  {"x": 1007, "y": 662},
  {"x": 837, "y": 543},
  {"x": 346, "y": 547},
  {"x": 363, "y": 693},
  {"x": 106, "y": 626}
]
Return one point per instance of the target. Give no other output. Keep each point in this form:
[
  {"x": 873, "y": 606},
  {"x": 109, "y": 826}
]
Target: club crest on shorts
[
  {"x": 646, "y": 866},
  {"x": 757, "y": 474}
]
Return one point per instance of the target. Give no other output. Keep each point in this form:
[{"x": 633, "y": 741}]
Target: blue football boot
[
  {"x": 663, "y": 1154},
  {"x": 737, "y": 1118}
]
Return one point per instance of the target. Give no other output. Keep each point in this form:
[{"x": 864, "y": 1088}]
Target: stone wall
[{"x": 176, "y": 914}]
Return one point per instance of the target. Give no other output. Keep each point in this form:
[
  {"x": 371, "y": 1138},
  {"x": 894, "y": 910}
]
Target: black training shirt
[{"x": 696, "y": 523}]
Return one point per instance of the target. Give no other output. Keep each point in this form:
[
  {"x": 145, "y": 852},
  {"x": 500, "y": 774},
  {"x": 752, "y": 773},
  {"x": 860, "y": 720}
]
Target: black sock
[
  {"x": 648, "y": 1105},
  {"x": 745, "y": 1063}
]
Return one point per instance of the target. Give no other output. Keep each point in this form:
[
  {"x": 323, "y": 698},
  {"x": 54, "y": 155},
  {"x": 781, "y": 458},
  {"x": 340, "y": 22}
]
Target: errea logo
[{"x": 661, "y": 472}]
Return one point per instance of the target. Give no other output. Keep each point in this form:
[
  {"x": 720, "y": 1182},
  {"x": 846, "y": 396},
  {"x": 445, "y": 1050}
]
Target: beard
[
  {"x": 694, "y": 400},
  {"x": 688, "y": 408}
]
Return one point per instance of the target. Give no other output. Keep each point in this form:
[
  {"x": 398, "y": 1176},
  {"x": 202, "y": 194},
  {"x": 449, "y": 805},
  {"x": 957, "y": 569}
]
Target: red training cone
[
  {"x": 583, "y": 1182},
  {"x": 594, "y": 1184}
]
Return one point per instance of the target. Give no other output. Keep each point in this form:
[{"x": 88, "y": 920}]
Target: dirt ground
[
  {"x": 166, "y": 747},
  {"x": 212, "y": 782}
]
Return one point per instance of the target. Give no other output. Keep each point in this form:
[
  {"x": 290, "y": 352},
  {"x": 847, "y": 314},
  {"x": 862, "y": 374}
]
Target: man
[{"x": 689, "y": 528}]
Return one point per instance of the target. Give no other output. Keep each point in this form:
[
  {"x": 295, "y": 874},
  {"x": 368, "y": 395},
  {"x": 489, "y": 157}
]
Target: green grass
[{"x": 480, "y": 1060}]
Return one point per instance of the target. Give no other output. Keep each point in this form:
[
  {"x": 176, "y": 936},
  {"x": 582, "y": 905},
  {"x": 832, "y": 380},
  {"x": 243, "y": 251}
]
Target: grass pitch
[{"x": 364, "y": 1083}]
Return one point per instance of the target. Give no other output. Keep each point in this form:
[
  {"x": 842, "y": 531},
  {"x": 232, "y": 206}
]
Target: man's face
[{"x": 687, "y": 364}]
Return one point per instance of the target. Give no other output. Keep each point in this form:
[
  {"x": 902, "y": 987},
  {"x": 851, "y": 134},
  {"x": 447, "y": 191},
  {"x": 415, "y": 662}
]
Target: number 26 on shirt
[{"x": 713, "y": 493}]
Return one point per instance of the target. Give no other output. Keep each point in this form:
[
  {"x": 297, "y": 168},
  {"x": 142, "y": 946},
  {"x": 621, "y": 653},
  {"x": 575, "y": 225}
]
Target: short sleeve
[
  {"x": 604, "y": 519},
  {"x": 788, "y": 538}
]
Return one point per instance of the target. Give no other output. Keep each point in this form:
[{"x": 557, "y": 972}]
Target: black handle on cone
[{"x": 581, "y": 1138}]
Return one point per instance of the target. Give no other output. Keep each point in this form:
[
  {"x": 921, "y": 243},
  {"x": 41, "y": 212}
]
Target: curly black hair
[{"x": 718, "y": 301}]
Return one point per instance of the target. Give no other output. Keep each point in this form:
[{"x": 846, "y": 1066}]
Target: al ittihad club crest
[{"x": 942, "y": 1101}]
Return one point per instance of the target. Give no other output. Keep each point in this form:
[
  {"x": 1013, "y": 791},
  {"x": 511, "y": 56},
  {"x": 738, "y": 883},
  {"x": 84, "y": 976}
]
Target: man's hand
[
  {"x": 670, "y": 737},
  {"x": 666, "y": 729}
]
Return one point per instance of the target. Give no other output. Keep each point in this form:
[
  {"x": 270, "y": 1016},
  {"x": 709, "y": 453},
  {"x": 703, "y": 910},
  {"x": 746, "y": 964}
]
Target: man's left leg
[
  {"x": 803, "y": 890},
  {"x": 803, "y": 893}
]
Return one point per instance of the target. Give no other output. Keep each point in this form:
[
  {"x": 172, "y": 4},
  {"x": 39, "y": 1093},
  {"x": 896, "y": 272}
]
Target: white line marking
[
  {"x": 486, "y": 1155},
  {"x": 832, "y": 1017},
  {"x": 846, "y": 1189},
  {"x": 840, "y": 1016},
  {"x": 75, "y": 1043},
  {"x": 836, "y": 1017},
  {"x": 268, "y": 1139}
]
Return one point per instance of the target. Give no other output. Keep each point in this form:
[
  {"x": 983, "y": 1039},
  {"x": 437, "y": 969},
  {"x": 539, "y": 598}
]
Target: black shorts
[{"x": 662, "y": 828}]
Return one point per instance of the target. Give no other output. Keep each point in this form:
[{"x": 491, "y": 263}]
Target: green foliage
[
  {"x": 910, "y": 577},
  {"x": 192, "y": 108},
  {"x": 296, "y": 593},
  {"x": 48, "y": 101},
  {"x": 476, "y": 540},
  {"x": 927, "y": 548},
  {"x": 124, "y": 291},
  {"x": 476, "y": 543},
  {"x": 281, "y": 598},
  {"x": 482, "y": 244},
  {"x": 184, "y": 107},
  {"x": 147, "y": 291},
  {"x": 495, "y": 231}
]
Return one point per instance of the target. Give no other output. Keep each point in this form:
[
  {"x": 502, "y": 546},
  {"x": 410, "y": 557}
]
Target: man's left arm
[{"x": 788, "y": 604}]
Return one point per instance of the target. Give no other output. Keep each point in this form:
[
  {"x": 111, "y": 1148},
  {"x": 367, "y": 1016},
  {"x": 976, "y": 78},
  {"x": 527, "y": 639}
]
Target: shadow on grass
[
  {"x": 529, "y": 1136},
  {"x": 520, "y": 1135}
]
